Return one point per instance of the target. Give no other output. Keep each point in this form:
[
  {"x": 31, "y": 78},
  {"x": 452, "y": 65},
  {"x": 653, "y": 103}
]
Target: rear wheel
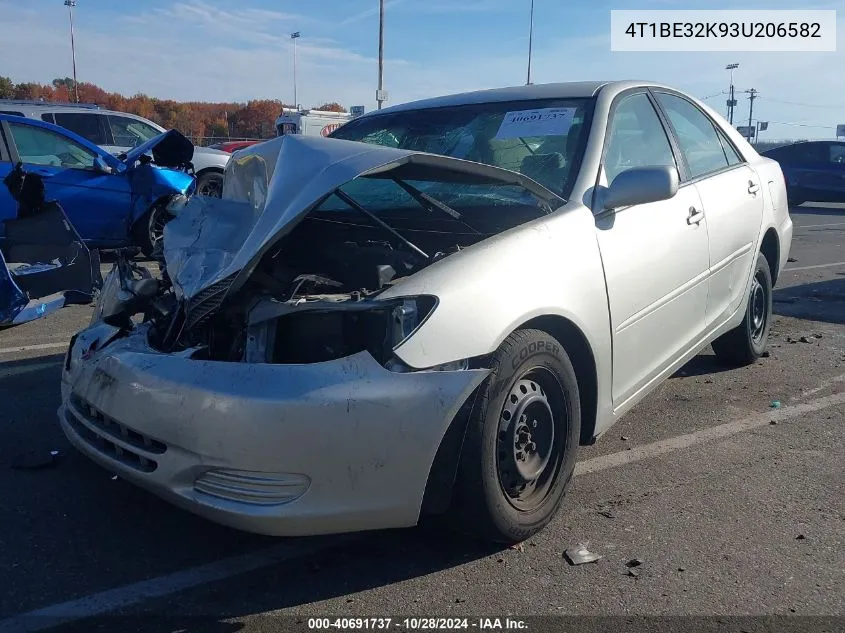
[
  {"x": 521, "y": 443},
  {"x": 210, "y": 184},
  {"x": 746, "y": 343}
]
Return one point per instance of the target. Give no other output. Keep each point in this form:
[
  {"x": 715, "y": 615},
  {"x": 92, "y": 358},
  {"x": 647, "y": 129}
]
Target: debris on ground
[
  {"x": 114, "y": 478},
  {"x": 36, "y": 461},
  {"x": 791, "y": 260},
  {"x": 766, "y": 354},
  {"x": 634, "y": 562},
  {"x": 682, "y": 568},
  {"x": 775, "y": 404},
  {"x": 459, "y": 600},
  {"x": 773, "y": 422},
  {"x": 800, "y": 537},
  {"x": 633, "y": 573},
  {"x": 580, "y": 555},
  {"x": 518, "y": 547},
  {"x": 624, "y": 438},
  {"x": 608, "y": 514},
  {"x": 804, "y": 339},
  {"x": 500, "y": 560}
]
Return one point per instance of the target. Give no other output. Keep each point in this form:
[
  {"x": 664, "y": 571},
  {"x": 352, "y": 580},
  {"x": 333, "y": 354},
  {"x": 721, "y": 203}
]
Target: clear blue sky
[{"x": 240, "y": 49}]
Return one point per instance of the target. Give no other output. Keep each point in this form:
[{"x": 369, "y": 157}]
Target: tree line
[{"x": 254, "y": 119}]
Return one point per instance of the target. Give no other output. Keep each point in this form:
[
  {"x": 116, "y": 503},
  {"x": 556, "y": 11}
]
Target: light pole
[
  {"x": 380, "y": 95},
  {"x": 294, "y": 37},
  {"x": 731, "y": 100},
  {"x": 70, "y": 4},
  {"x": 530, "y": 43},
  {"x": 752, "y": 94}
]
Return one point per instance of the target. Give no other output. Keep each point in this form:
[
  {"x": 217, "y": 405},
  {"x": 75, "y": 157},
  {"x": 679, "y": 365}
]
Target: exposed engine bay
[{"x": 310, "y": 292}]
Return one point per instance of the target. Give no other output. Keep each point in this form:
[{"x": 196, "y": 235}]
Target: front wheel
[
  {"x": 149, "y": 230},
  {"x": 521, "y": 442},
  {"x": 746, "y": 343}
]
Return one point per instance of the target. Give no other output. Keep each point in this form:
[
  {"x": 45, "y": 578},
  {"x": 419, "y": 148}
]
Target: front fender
[
  {"x": 551, "y": 266},
  {"x": 150, "y": 185}
]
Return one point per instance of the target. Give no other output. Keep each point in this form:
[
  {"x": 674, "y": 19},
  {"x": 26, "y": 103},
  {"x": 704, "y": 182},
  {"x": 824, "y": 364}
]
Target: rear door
[
  {"x": 97, "y": 204},
  {"x": 731, "y": 194}
]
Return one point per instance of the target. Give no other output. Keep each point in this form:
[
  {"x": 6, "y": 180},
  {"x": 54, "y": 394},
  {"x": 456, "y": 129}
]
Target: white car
[
  {"x": 119, "y": 132},
  {"x": 433, "y": 326}
]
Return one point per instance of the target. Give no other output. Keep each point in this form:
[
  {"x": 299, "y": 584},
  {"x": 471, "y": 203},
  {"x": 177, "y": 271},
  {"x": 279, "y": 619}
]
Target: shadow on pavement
[
  {"x": 702, "y": 365},
  {"x": 820, "y": 301}
]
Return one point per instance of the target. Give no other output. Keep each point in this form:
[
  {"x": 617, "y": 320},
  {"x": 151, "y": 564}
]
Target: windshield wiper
[
  {"x": 429, "y": 204},
  {"x": 343, "y": 196}
]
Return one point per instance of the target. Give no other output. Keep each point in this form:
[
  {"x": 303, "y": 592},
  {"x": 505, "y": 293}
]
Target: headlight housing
[{"x": 407, "y": 318}]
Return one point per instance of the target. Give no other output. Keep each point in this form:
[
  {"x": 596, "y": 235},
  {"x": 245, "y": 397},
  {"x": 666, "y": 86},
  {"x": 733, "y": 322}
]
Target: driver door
[
  {"x": 97, "y": 204},
  {"x": 655, "y": 255}
]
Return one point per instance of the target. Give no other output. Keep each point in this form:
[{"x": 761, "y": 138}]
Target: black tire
[
  {"x": 210, "y": 183},
  {"x": 746, "y": 343},
  {"x": 149, "y": 229},
  {"x": 533, "y": 368}
]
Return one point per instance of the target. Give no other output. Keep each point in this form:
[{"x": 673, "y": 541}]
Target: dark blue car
[
  {"x": 111, "y": 201},
  {"x": 814, "y": 170}
]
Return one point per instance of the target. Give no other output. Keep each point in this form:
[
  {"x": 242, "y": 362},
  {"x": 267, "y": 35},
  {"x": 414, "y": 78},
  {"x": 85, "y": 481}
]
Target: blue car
[
  {"x": 112, "y": 202},
  {"x": 814, "y": 170},
  {"x": 44, "y": 264}
]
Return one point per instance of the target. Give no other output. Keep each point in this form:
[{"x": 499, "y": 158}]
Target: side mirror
[
  {"x": 640, "y": 185},
  {"x": 102, "y": 165}
]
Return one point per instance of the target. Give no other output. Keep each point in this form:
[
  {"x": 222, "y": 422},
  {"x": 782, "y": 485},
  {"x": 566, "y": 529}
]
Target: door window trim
[
  {"x": 686, "y": 177},
  {"x": 614, "y": 105}
]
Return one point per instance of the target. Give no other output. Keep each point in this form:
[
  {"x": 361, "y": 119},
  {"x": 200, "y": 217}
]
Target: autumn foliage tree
[{"x": 254, "y": 119}]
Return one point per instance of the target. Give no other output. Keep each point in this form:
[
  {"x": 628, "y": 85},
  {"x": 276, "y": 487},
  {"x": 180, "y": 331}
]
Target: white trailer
[{"x": 310, "y": 122}]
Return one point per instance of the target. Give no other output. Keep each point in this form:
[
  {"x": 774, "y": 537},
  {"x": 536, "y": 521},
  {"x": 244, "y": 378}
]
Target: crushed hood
[
  {"x": 270, "y": 187},
  {"x": 169, "y": 149}
]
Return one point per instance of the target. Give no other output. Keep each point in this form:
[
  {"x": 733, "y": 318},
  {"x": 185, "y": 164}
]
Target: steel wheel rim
[
  {"x": 758, "y": 312},
  {"x": 530, "y": 439},
  {"x": 212, "y": 188}
]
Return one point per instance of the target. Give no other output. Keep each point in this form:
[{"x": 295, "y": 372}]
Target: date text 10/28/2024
[{"x": 417, "y": 624}]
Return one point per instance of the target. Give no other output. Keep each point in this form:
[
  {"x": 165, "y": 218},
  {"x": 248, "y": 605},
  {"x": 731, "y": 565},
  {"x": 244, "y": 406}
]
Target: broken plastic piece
[
  {"x": 580, "y": 555},
  {"x": 634, "y": 562},
  {"x": 775, "y": 404}
]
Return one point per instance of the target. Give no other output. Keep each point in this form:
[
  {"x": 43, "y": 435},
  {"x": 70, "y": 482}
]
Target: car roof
[
  {"x": 37, "y": 108},
  {"x": 563, "y": 90},
  {"x": 22, "y": 120}
]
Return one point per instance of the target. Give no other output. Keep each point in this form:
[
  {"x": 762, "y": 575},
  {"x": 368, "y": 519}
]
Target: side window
[
  {"x": 37, "y": 146},
  {"x": 11, "y": 113},
  {"x": 836, "y": 153},
  {"x": 86, "y": 124},
  {"x": 48, "y": 117},
  {"x": 636, "y": 138},
  {"x": 697, "y": 137},
  {"x": 129, "y": 132},
  {"x": 733, "y": 156}
]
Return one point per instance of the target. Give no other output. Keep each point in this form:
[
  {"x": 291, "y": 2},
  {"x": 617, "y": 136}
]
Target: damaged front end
[
  {"x": 44, "y": 264},
  {"x": 293, "y": 264}
]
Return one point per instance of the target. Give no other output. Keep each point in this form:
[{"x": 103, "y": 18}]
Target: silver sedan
[{"x": 429, "y": 312}]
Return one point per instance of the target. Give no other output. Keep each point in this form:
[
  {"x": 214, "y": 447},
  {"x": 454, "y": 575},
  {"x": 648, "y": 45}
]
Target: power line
[{"x": 804, "y": 105}]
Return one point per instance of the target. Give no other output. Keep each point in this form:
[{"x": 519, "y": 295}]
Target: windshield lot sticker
[{"x": 528, "y": 123}]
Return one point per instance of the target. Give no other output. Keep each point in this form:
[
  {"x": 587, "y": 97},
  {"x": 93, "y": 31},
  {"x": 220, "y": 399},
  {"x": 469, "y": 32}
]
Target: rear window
[
  {"x": 85, "y": 124},
  {"x": 49, "y": 118}
]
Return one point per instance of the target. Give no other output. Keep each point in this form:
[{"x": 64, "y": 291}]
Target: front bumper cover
[{"x": 284, "y": 450}]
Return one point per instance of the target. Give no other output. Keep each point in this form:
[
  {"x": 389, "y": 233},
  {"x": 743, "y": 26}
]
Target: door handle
[
  {"x": 695, "y": 216},
  {"x": 753, "y": 187}
]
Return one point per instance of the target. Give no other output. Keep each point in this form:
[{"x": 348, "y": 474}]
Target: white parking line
[
  {"x": 134, "y": 594},
  {"x": 655, "y": 449},
  {"x": 128, "y": 595},
  {"x": 818, "y": 226},
  {"x": 32, "y": 348},
  {"x": 831, "y": 265}
]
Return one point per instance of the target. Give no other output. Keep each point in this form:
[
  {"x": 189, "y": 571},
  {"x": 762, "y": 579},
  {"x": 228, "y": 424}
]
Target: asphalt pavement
[{"x": 731, "y": 505}]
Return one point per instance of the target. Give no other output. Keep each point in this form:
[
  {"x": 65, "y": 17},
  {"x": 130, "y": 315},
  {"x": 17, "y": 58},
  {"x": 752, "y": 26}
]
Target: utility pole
[
  {"x": 731, "y": 98},
  {"x": 381, "y": 97},
  {"x": 70, "y": 4},
  {"x": 752, "y": 94},
  {"x": 294, "y": 37},
  {"x": 530, "y": 43}
]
